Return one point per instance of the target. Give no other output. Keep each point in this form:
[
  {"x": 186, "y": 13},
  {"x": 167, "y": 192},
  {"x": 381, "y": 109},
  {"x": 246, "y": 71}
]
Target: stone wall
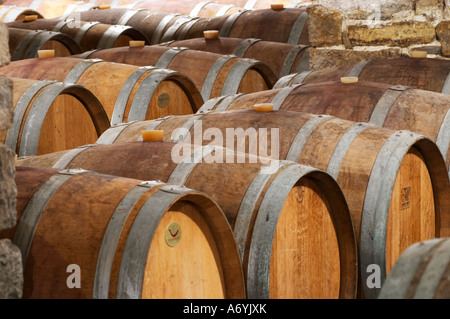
[
  {"x": 11, "y": 272},
  {"x": 347, "y": 32}
]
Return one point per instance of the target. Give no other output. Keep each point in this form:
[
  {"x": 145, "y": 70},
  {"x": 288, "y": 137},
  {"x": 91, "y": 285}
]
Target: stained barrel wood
[
  {"x": 51, "y": 116},
  {"x": 286, "y": 25},
  {"x": 421, "y": 73},
  {"x": 115, "y": 230},
  {"x": 25, "y": 44},
  {"x": 395, "y": 182},
  {"x": 291, "y": 222},
  {"x": 126, "y": 92},
  {"x": 214, "y": 74},
  {"x": 88, "y": 35},
  {"x": 282, "y": 58},
  {"x": 421, "y": 272},
  {"x": 13, "y": 13},
  {"x": 390, "y": 106},
  {"x": 52, "y": 9}
]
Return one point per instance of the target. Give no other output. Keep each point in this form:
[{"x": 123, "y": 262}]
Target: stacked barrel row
[{"x": 357, "y": 171}]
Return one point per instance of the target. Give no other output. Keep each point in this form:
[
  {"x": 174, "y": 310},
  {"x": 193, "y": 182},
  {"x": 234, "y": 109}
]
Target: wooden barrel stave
[{"x": 81, "y": 231}]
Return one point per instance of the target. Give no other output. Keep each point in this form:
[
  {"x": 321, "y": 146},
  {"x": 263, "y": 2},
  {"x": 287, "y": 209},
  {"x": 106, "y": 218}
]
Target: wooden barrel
[
  {"x": 115, "y": 230},
  {"x": 291, "y": 222},
  {"x": 25, "y": 44},
  {"x": 393, "y": 181},
  {"x": 13, "y": 13},
  {"x": 51, "y": 116},
  {"x": 213, "y": 74},
  {"x": 152, "y": 24},
  {"x": 422, "y": 73},
  {"x": 126, "y": 92},
  {"x": 88, "y": 35},
  {"x": 421, "y": 272},
  {"x": 391, "y": 106},
  {"x": 50, "y": 8},
  {"x": 282, "y": 58},
  {"x": 204, "y": 9},
  {"x": 286, "y": 25}
]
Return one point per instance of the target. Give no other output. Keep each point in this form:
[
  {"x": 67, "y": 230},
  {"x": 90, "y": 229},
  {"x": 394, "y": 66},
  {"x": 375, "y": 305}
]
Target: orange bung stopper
[
  {"x": 31, "y": 17},
  {"x": 137, "y": 43},
  {"x": 211, "y": 34},
  {"x": 44, "y": 54},
  {"x": 152, "y": 136},
  {"x": 277, "y": 6},
  {"x": 263, "y": 107}
]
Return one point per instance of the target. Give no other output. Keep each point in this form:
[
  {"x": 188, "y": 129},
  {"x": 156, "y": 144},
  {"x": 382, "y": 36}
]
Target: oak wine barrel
[
  {"x": 291, "y": 222},
  {"x": 285, "y": 25},
  {"x": 51, "y": 116},
  {"x": 25, "y": 44},
  {"x": 203, "y": 9},
  {"x": 390, "y": 106},
  {"x": 214, "y": 74},
  {"x": 395, "y": 182},
  {"x": 126, "y": 92},
  {"x": 131, "y": 239},
  {"x": 421, "y": 272},
  {"x": 88, "y": 35},
  {"x": 13, "y": 13},
  {"x": 282, "y": 58},
  {"x": 421, "y": 73}
]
